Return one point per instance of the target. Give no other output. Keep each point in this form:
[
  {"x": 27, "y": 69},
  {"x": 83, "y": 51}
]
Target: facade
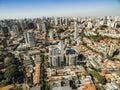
[
  {"x": 61, "y": 46},
  {"x": 75, "y": 30},
  {"x": 29, "y": 38},
  {"x": 111, "y": 50},
  {"x": 65, "y": 21},
  {"x": 4, "y": 42},
  {"x": 38, "y": 26},
  {"x": 60, "y": 21},
  {"x": 56, "y": 21},
  {"x": 71, "y": 59},
  {"x": 55, "y": 60},
  {"x": 5, "y": 31},
  {"x": 43, "y": 27},
  {"x": 15, "y": 31},
  {"x": 89, "y": 25},
  {"x": 54, "y": 56},
  {"x": 51, "y": 34}
]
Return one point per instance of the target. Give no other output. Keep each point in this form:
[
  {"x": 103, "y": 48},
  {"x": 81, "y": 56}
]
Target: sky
[{"x": 10, "y": 9}]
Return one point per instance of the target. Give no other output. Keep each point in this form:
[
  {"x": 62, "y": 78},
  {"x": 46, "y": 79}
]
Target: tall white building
[
  {"x": 89, "y": 25},
  {"x": 76, "y": 30},
  {"x": 38, "y": 26},
  {"x": 51, "y": 34},
  {"x": 111, "y": 49},
  {"x": 43, "y": 27},
  {"x": 56, "y": 21},
  {"x": 61, "y": 46},
  {"x": 29, "y": 38}
]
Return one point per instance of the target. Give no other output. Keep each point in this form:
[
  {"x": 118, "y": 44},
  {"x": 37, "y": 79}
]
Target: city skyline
[{"x": 11, "y": 9}]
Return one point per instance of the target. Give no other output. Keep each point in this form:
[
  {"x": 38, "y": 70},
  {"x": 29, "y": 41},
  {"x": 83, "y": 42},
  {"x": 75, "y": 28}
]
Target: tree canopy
[{"x": 101, "y": 79}]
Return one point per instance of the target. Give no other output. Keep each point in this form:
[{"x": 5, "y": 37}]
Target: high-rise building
[
  {"x": 60, "y": 21},
  {"x": 30, "y": 25},
  {"x": 89, "y": 24},
  {"x": 22, "y": 25},
  {"x": 76, "y": 30},
  {"x": 4, "y": 42},
  {"x": 43, "y": 27},
  {"x": 15, "y": 30},
  {"x": 29, "y": 38},
  {"x": 51, "y": 34},
  {"x": 38, "y": 26},
  {"x": 5, "y": 31},
  {"x": 111, "y": 49},
  {"x": 54, "y": 56},
  {"x": 56, "y": 21},
  {"x": 55, "y": 60},
  {"x": 71, "y": 59},
  {"x": 61, "y": 46},
  {"x": 66, "y": 21}
]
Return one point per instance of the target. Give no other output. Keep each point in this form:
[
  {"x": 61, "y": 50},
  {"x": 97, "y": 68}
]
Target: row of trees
[
  {"x": 43, "y": 74},
  {"x": 101, "y": 79}
]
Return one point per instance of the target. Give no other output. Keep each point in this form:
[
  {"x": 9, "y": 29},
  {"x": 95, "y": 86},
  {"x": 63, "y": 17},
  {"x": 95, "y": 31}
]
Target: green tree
[
  {"x": 1, "y": 76},
  {"x": 60, "y": 31},
  {"x": 9, "y": 61},
  {"x": 118, "y": 24},
  {"x": 16, "y": 88},
  {"x": 95, "y": 74},
  {"x": 10, "y": 73}
]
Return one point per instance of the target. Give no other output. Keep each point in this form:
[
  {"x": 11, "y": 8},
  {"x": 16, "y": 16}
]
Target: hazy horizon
[{"x": 11, "y": 9}]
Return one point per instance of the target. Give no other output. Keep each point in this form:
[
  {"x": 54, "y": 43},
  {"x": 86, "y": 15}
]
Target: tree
[
  {"x": 9, "y": 60},
  {"x": 100, "y": 78},
  {"x": 4, "y": 82},
  {"x": 104, "y": 26},
  {"x": 1, "y": 76},
  {"x": 1, "y": 56},
  {"x": 118, "y": 24},
  {"x": 60, "y": 31},
  {"x": 16, "y": 88},
  {"x": 46, "y": 57},
  {"x": 10, "y": 73}
]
